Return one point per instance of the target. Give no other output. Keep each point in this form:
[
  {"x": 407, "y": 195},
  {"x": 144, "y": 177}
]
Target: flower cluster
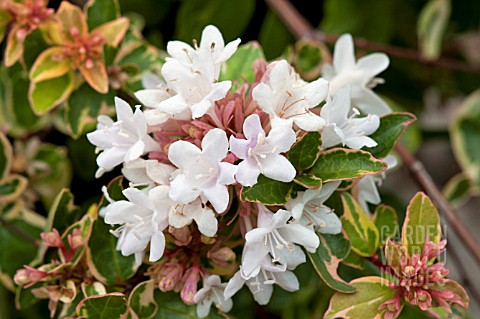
[
  {"x": 420, "y": 280},
  {"x": 199, "y": 145}
]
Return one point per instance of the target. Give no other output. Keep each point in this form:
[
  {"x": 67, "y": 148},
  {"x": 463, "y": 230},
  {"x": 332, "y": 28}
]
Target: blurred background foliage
[{"x": 50, "y": 148}]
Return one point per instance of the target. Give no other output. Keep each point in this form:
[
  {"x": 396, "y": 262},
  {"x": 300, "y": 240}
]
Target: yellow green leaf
[
  {"x": 361, "y": 231},
  {"x": 371, "y": 293},
  {"x": 12, "y": 187},
  {"x": 45, "y": 95},
  {"x": 113, "y": 31},
  {"x": 422, "y": 223},
  {"x": 431, "y": 25},
  {"x": 4, "y": 20},
  {"x": 50, "y": 64},
  {"x": 96, "y": 75},
  {"x": 14, "y": 49},
  {"x": 71, "y": 18},
  {"x": 5, "y": 156}
]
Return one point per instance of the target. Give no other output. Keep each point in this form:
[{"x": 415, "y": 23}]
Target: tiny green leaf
[
  {"x": 239, "y": 66},
  {"x": 390, "y": 130},
  {"x": 371, "y": 293},
  {"x": 305, "y": 152},
  {"x": 431, "y": 25},
  {"x": 109, "y": 306},
  {"x": 5, "y": 156},
  {"x": 458, "y": 189},
  {"x": 361, "y": 231},
  {"x": 331, "y": 251},
  {"x": 267, "y": 191},
  {"x": 465, "y": 133},
  {"x": 12, "y": 187},
  {"x": 45, "y": 95},
  {"x": 422, "y": 222},
  {"x": 342, "y": 164},
  {"x": 63, "y": 212},
  {"x": 386, "y": 220},
  {"x": 142, "y": 300}
]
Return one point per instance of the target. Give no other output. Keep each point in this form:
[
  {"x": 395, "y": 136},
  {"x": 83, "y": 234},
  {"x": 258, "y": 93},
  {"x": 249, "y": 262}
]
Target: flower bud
[
  {"x": 170, "y": 275},
  {"x": 191, "y": 278}
]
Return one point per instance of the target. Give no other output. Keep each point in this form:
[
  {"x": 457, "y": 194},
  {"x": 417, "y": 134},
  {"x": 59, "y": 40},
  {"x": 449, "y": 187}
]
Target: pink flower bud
[
  {"x": 75, "y": 239},
  {"x": 221, "y": 256},
  {"x": 191, "y": 279},
  {"x": 52, "y": 239},
  {"x": 171, "y": 275},
  {"x": 182, "y": 236}
]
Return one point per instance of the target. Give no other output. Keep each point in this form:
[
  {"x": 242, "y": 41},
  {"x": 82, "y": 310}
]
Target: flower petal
[{"x": 277, "y": 167}]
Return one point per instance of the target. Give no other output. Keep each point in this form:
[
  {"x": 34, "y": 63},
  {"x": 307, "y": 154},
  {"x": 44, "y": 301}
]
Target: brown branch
[
  {"x": 11, "y": 226},
  {"x": 301, "y": 28}
]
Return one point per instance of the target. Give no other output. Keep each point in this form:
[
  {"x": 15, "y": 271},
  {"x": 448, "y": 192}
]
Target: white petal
[
  {"x": 301, "y": 235},
  {"x": 262, "y": 296},
  {"x": 309, "y": 122},
  {"x": 247, "y": 173},
  {"x": 368, "y": 102},
  {"x": 157, "y": 246},
  {"x": 282, "y": 137},
  {"x": 123, "y": 109},
  {"x": 215, "y": 144},
  {"x": 288, "y": 281},
  {"x": 111, "y": 157},
  {"x": 135, "y": 151},
  {"x": 358, "y": 142},
  {"x": 314, "y": 92},
  {"x": 263, "y": 95},
  {"x": 217, "y": 196},
  {"x": 332, "y": 223},
  {"x": 277, "y": 167},
  {"x": 203, "y": 308},
  {"x": 151, "y": 98},
  {"x": 371, "y": 65},
  {"x": 227, "y": 173},
  {"x": 344, "y": 54},
  {"x": 206, "y": 222},
  {"x": 180, "y": 50},
  {"x": 173, "y": 105},
  {"x": 240, "y": 147},
  {"x": 234, "y": 285},
  {"x": 252, "y": 127},
  {"x": 181, "y": 191},
  {"x": 182, "y": 154}
]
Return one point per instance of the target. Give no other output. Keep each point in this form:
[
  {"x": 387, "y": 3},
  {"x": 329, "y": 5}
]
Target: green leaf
[
  {"x": 12, "y": 187},
  {"x": 109, "y": 306},
  {"x": 305, "y": 152},
  {"x": 308, "y": 181},
  {"x": 5, "y": 156},
  {"x": 170, "y": 306},
  {"x": 331, "y": 251},
  {"x": 18, "y": 250},
  {"x": 421, "y": 222},
  {"x": 142, "y": 300},
  {"x": 391, "y": 128},
  {"x": 45, "y": 95},
  {"x": 307, "y": 58},
  {"x": 371, "y": 293},
  {"x": 274, "y": 36},
  {"x": 354, "y": 260},
  {"x": 267, "y": 191},
  {"x": 100, "y": 11},
  {"x": 361, "y": 231},
  {"x": 239, "y": 66},
  {"x": 458, "y": 189},
  {"x": 94, "y": 289},
  {"x": 465, "y": 134},
  {"x": 431, "y": 25},
  {"x": 85, "y": 227},
  {"x": 35, "y": 44},
  {"x": 84, "y": 106},
  {"x": 113, "y": 31},
  {"x": 63, "y": 212},
  {"x": 106, "y": 263},
  {"x": 342, "y": 164},
  {"x": 217, "y": 12},
  {"x": 386, "y": 220}
]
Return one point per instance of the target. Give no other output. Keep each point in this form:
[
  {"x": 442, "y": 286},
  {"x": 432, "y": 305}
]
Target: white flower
[
  {"x": 287, "y": 99},
  {"x": 202, "y": 172},
  {"x": 366, "y": 187},
  {"x": 212, "y": 292},
  {"x": 261, "y": 285},
  {"x": 141, "y": 223},
  {"x": 212, "y": 47},
  {"x": 261, "y": 154},
  {"x": 276, "y": 237},
  {"x": 344, "y": 129},
  {"x": 196, "y": 89},
  {"x": 308, "y": 209},
  {"x": 181, "y": 215},
  {"x": 143, "y": 172},
  {"x": 360, "y": 75},
  {"x": 121, "y": 141}
]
